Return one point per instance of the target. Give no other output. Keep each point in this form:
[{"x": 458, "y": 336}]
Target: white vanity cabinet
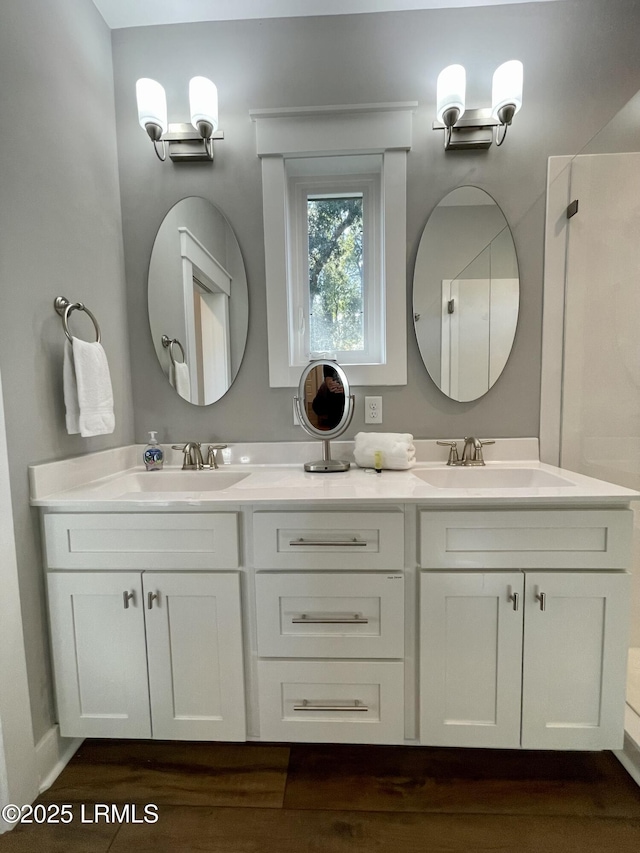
[
  {"x": 152, "y": 654},
  {"x": 431, "y": 622},
  {"x": 146, "y": 653},
  {"x": 497, "y": 670},
  {"x": 529, "y": 657}
]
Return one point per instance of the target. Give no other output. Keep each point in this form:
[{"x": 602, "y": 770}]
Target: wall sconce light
[
  {"x": 466, "y": 129},
  {"x": 187, "y": 142}
]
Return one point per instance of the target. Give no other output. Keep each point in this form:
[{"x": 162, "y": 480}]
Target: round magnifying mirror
[
  {"x": 198, "y": 301},
  {"x": 466, "y": 294},
  {"x": 325, "y": 409}
]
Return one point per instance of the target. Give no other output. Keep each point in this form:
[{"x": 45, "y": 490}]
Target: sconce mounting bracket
[
  {"x": 187, "y": 146},
  {"x": 473, "y": 130}
]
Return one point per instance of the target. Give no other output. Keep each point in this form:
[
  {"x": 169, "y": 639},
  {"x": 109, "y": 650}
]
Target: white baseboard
[
  {"x": 629, "y": 756},
  {"x": 53, "y": 753}
]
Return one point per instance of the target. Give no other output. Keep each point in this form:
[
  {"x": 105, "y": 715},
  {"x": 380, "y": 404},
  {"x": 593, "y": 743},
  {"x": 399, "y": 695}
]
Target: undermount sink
[
  {"x": 179, "y": 481},
  {"x": 491, "y": 478}
]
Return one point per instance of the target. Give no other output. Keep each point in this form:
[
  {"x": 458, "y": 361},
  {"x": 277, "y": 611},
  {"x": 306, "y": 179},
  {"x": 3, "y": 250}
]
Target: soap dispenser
[{"x": 153, "y": 456}]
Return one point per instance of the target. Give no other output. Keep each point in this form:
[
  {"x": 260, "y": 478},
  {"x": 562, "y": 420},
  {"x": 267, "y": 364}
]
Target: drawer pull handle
[
  {"x": 351, "y": 543},
  {"x": 542, "y": 598},
  {"x": 127, "y": 597},
  {"x": 308, "y": 706},
  {"x": 330, "y": 620},
  {"x": 153, "y": 596}
]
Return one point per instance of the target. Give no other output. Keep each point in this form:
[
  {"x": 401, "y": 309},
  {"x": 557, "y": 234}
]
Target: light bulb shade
[
  {"x": 450, "y": 91},
  {"x": 507, "y": 88},
  {"x": 203, "y": 102},
  {"x": 152, "y": 103}
]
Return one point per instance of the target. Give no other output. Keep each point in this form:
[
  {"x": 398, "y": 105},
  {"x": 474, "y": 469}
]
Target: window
[
  {"x": 334, "y": 206},
  {"x": 335, "y": 233},
  {"x": 334, "y": 283}
]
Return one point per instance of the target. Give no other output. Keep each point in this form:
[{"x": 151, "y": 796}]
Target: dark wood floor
[{"x": 259, "y": 798}]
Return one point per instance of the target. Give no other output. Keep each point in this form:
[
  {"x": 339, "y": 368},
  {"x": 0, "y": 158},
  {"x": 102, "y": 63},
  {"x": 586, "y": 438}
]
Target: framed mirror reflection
[
  {"x": 324, "y": 406},
  {"x": 466, "y": 293},
  {"x": 198, "y": 301}
]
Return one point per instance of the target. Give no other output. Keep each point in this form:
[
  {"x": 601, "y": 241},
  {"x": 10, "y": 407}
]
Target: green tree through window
[{"x": 336, "y": 303}]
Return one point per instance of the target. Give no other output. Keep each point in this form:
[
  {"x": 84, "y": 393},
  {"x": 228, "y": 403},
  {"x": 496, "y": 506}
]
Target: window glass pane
[{"x": 336, "y": 298}]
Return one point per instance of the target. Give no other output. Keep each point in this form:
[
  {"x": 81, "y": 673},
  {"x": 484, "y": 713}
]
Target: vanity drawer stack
[{"x": 330, "y": 625}]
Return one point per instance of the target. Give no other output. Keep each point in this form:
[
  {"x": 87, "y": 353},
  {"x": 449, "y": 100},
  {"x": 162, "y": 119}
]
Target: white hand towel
[
  {"x": 397, "y": 448},
  {"x": 70, "y": 391},
  {"x": 92, "y": 411},
  {"x": 179, "y": 378}
]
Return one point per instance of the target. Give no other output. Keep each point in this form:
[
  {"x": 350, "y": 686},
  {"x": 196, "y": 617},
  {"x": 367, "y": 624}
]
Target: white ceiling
[{"x": 142, "y": 13}]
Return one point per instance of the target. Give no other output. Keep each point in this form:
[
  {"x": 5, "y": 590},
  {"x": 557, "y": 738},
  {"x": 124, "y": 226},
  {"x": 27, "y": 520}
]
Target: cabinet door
[
  {"x": 194, "y": 643},
  {"x": 99, "y": 654},
  {"x": 470, "y": 658},
  {"x": 575, "y": 658}
]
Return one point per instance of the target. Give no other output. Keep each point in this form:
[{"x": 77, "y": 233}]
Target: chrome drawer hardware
[
  {"x": 351, "y": 543},
  {"x": 127, "y": 597},
  {"x": 542, "y": 598},
  {"x": 515, "y": 597},
  {"x": 330, "y": 620},
  {"x": 307, "y": 706},
  {"x": 153, "y": 596}
]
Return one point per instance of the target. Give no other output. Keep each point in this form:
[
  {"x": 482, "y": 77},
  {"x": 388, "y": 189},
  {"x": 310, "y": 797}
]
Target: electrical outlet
[{"x": 373, "y": 410}]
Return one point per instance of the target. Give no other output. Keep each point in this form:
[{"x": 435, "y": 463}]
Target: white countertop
[{"x": 111, "y": 481}]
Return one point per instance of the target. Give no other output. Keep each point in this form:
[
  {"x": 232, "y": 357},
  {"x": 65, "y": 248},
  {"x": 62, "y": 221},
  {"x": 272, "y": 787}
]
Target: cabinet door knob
[
  {"x": 542, "y": 598},
  {"x": 127, "y": 597},
  {"x": 152, "y": 596}
]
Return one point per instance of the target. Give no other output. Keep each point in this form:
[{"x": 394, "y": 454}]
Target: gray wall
[
  {"x": 60, "y": 233},
  {"x": 581, "y": 64}
]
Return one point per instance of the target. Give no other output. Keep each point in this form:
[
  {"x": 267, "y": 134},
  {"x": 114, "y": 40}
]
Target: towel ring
[
  {"x": 64, "y": 309},
  {"x": 169, "y": 343}
]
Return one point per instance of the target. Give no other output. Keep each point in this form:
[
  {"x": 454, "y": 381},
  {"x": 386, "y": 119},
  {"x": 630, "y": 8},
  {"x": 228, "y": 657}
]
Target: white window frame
[
  {"x": 301, "y": 188},
  {"x": 285, "y": 134}
]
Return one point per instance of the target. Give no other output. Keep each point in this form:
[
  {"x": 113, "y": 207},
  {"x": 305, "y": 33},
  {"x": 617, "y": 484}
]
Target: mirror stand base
[{"x": 327, "y": 466}]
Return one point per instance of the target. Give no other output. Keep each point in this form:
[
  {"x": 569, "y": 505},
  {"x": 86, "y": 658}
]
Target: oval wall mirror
[
  {"x": 198, "y": 301},
  {"x": 466, "y": 293},
  {"x": 325, "y": 409}
]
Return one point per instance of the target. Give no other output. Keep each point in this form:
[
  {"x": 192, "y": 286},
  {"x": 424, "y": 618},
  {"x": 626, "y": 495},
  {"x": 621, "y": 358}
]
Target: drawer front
[
  {"x": 337, "y": 702},
  {"x": 328, "y": 540},
  {"x": 523, "y": 539},
  {"x": 142, "y": 541},
  {"x": 330, "y": 615}
]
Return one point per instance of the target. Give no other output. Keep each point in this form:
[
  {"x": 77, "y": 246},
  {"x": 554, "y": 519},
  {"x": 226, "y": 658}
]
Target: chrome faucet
[
  {"x": 193, "y": 460},
  {"x": 471, "y": 454},
  {"x": 192, "y": 455}
]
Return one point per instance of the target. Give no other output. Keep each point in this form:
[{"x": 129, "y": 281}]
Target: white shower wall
[{"x": 600, "y": 415}]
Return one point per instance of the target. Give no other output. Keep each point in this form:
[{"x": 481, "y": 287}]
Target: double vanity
[{"x": 453, "y": 606}]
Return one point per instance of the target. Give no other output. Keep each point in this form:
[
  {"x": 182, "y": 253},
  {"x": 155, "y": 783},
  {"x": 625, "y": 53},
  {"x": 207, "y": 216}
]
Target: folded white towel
[
  {"x": 179, "y": 378},
  {"x": 87, "y": 389},
  {"x": 397, "y": 448}
]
